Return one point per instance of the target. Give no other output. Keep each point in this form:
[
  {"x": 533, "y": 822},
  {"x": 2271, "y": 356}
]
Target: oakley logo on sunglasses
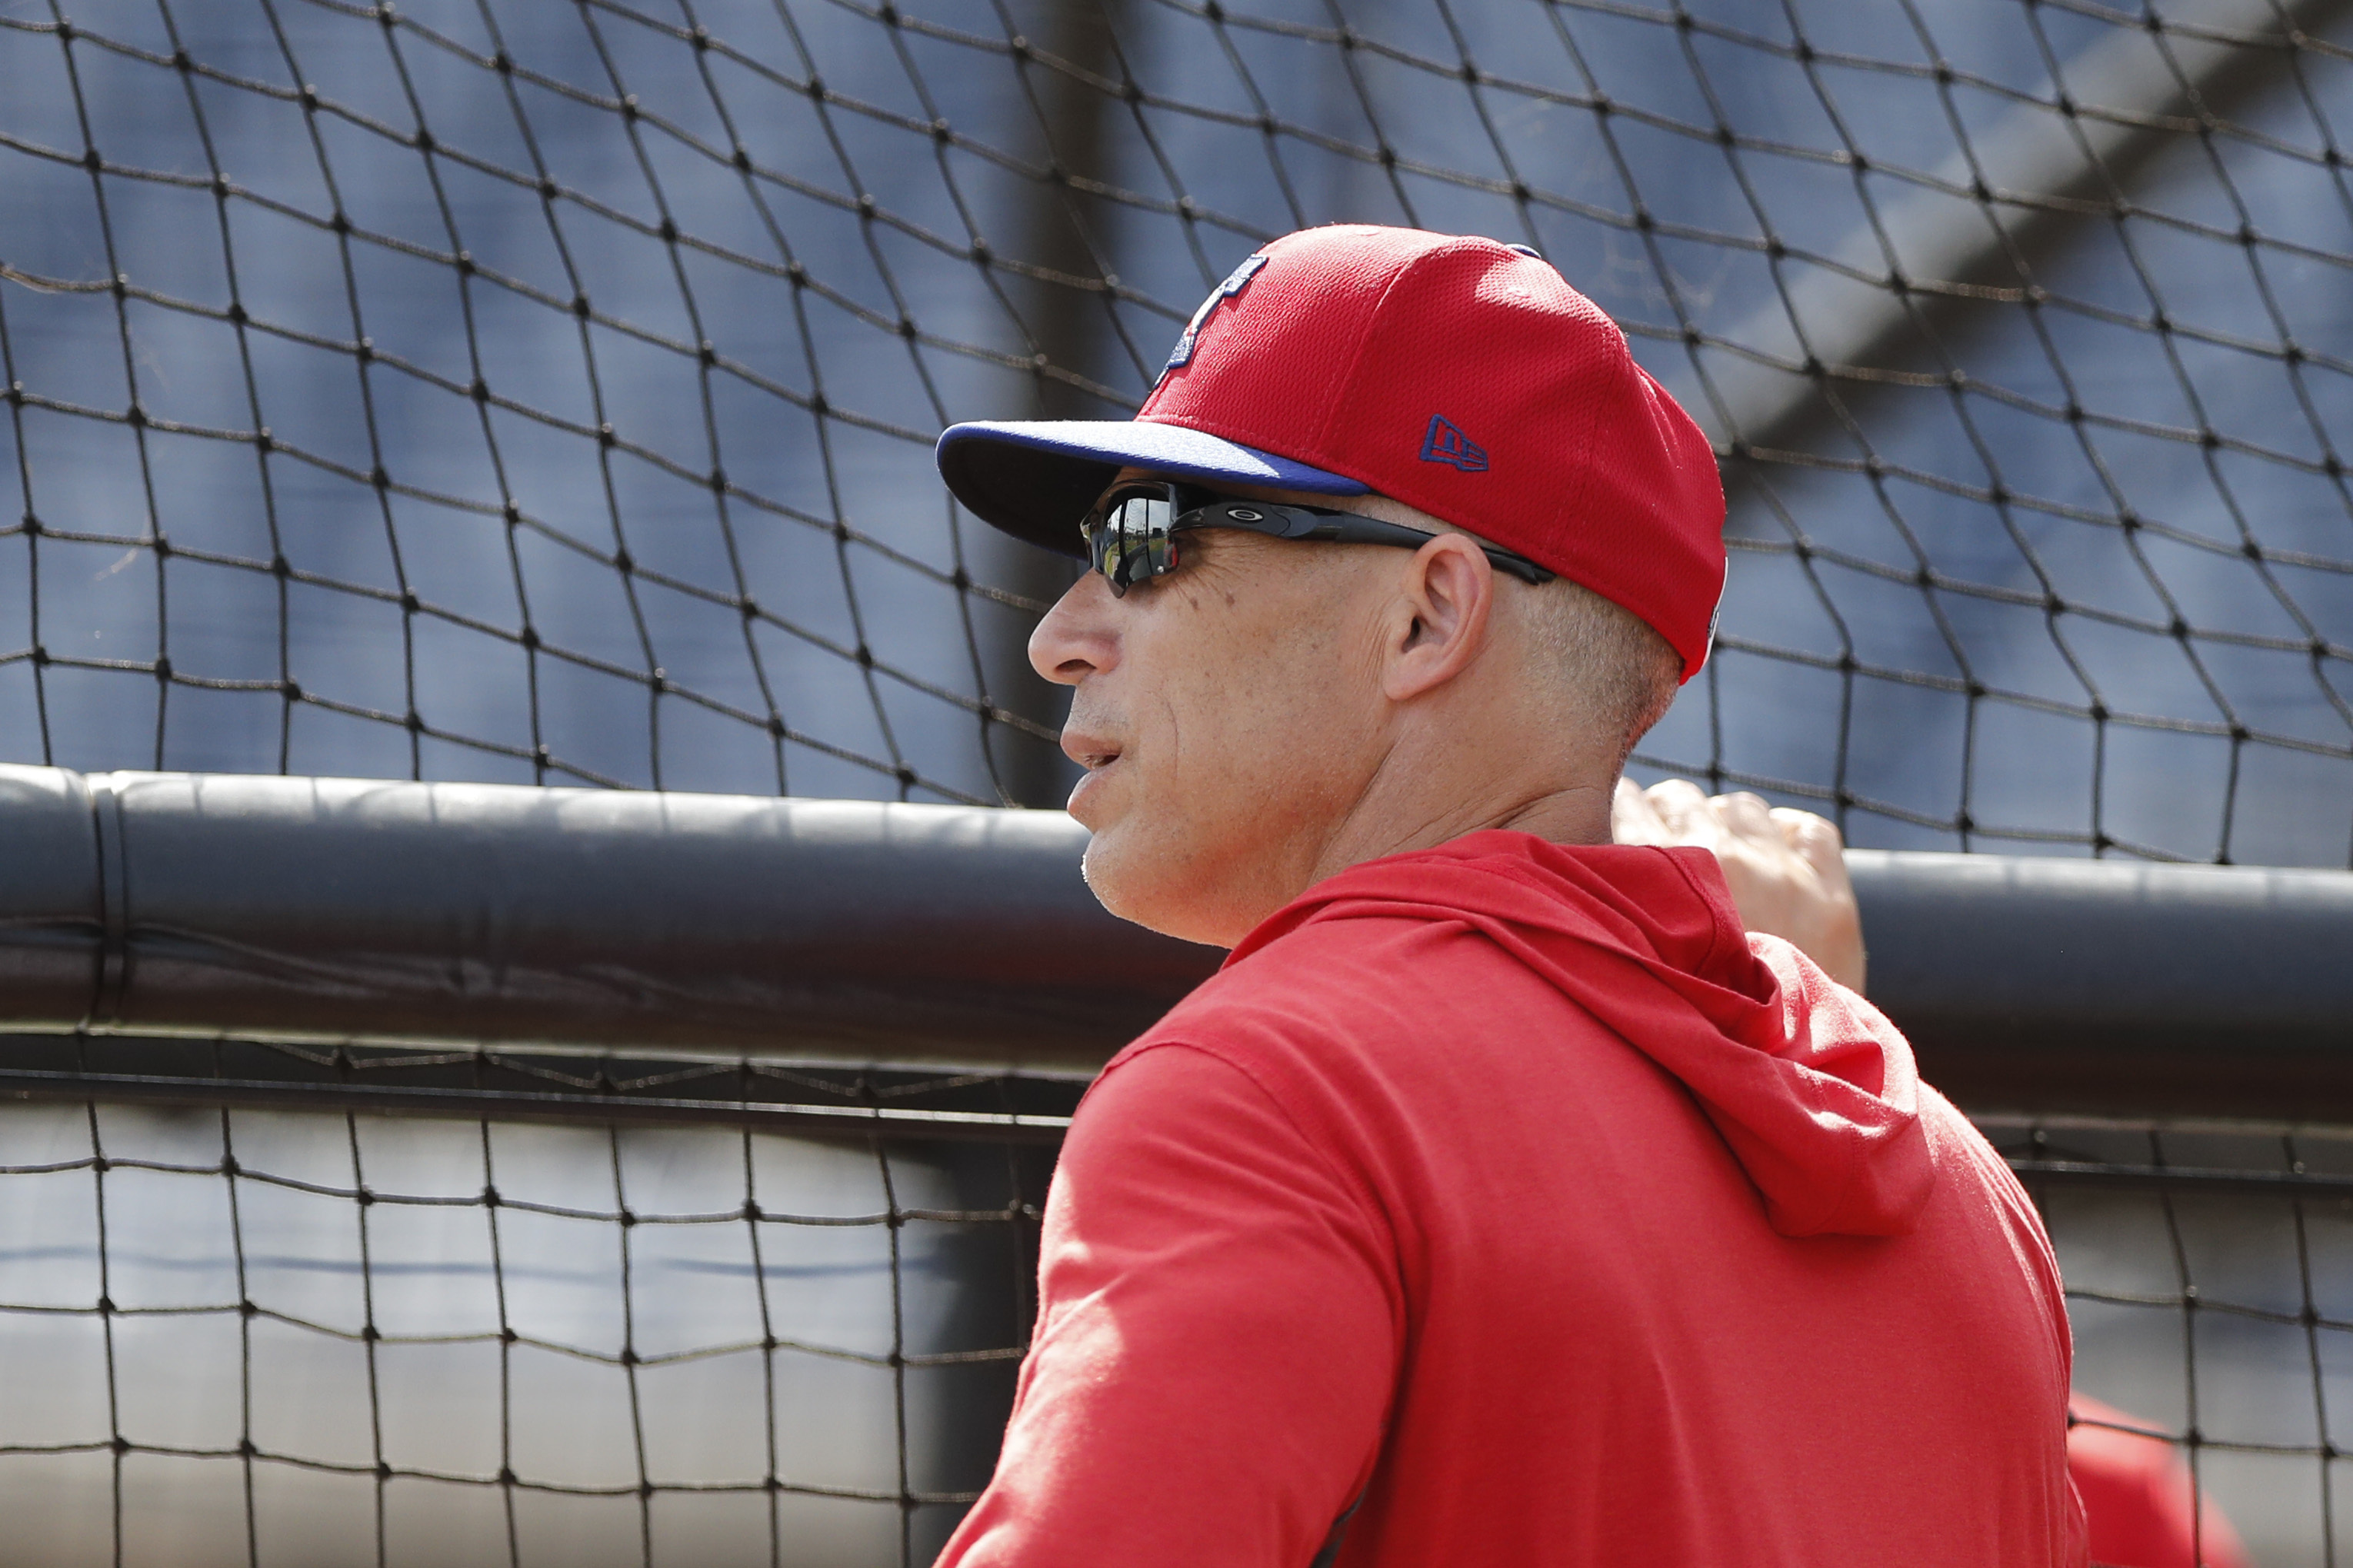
[
  {"x": 1444, "y": 442},
  {"x": 1236, "y": 281}
]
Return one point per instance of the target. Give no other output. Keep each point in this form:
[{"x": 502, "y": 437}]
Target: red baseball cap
[{"x": 1458, "y": 375}]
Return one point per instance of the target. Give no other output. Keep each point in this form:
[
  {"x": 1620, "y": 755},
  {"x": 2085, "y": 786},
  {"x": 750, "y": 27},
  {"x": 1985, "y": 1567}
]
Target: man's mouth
[
  {"x": 1093, "y": 752},
  {"x": 1096, "y": 754}
]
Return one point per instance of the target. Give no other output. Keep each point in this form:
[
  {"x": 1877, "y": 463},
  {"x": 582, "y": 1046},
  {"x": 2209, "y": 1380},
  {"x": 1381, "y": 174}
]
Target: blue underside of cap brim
[
  {"x": 1036, "y": 479},
  {"x": 1165, "y": 448}
]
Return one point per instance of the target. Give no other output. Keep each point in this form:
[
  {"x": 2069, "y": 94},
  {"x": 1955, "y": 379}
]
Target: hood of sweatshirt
[{"x": 1811, "y": 1087}]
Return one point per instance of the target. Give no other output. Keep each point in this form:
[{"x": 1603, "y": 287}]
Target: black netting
[
  {"x": 250, "y": 1335},
  {"x": 477, "y": 390},
  {"x": 2209, "y": 1284}
]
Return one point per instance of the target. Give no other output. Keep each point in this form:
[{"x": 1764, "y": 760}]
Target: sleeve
[{"x": 1218, "y": 1335}]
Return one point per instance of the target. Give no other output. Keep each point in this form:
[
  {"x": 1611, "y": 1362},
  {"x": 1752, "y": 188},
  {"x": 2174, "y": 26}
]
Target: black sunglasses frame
[{"x": 1127, "y": 556}]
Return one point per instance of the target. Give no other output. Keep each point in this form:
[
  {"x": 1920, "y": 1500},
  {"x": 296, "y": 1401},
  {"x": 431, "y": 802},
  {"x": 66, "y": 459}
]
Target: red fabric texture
[
  {"x": 1510, "y": 1187},
  {"x": 1342, "y": 351},
  {"x": 2142, "y": 1507}
]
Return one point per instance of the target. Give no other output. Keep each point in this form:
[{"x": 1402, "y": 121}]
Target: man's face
[{"x": 1229, "y": 715}]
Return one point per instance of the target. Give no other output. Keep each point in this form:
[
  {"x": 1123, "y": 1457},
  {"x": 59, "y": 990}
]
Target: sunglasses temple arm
[
  {"x": 1519, "y": 566},
  {"x": 1351, "y": 528}
]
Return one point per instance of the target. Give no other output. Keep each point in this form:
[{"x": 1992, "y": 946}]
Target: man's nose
[{"x": 1078, "y": 637}]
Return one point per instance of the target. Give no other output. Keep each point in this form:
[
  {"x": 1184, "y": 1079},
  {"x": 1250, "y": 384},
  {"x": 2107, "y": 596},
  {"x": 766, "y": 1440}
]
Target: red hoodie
[{"x": 1510, "y": 1188}]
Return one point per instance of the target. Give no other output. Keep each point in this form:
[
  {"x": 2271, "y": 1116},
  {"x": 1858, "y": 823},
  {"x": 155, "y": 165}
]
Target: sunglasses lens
[{"x": 1131, "y": 542}]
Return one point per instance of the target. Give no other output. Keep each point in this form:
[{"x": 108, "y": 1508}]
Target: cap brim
[{"x": 1036, "y": 479}]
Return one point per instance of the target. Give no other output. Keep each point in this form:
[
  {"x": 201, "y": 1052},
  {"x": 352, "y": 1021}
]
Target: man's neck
[{"x": 1395, "y": 817}]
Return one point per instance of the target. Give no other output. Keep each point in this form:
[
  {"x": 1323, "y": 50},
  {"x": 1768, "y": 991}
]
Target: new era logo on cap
[{"x": 1445, "y": 443}]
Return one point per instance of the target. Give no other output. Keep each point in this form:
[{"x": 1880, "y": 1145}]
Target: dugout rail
[{"x": 163, "y": 908}]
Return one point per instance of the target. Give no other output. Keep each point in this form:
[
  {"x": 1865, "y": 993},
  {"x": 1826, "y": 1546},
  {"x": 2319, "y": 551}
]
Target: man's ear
[{"x": 1446, "y": 596}]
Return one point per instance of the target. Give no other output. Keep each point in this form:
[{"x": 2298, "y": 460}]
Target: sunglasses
[{"x": 1131, "y": 532}]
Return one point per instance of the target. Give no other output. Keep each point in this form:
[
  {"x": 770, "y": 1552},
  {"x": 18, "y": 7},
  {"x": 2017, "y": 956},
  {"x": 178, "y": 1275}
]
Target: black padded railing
[{"x": 148, "y": 904}]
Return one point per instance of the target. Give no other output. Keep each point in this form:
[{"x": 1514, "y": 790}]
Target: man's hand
[{"x": 1787, "y": 868}]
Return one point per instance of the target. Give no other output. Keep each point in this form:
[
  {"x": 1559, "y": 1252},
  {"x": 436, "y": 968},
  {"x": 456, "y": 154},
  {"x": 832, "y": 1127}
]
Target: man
[{"x": 1499, "y": 1201}]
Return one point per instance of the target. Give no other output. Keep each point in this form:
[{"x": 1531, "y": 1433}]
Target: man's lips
[
  {"x": 1093, "y": 752},
  {"x": 1096, "y": 754}
]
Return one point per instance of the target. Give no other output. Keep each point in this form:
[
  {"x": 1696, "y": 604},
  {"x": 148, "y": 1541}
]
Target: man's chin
[
  {"x": 1119, "y": 882},
  {"x": 1102, "y": 867},
  {"x": 1143, "y": 886}
]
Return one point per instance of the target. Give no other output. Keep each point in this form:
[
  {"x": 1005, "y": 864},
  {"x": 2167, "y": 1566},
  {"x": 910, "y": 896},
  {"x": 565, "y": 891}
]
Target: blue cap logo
[
  {"x": 1236, "y": 281},
  {"x": 1446, "y": 443}
]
